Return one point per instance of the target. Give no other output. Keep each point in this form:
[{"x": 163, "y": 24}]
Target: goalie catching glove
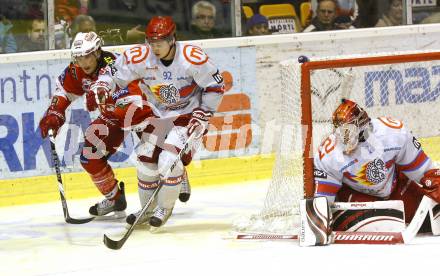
[
  {"x": 431, "y": 184},
  {"x": 54, "y": 117},
  {"x": 199, "y": 122}
]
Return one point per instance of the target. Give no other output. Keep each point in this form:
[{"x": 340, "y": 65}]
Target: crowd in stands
[{"x": 23, "y": 23}]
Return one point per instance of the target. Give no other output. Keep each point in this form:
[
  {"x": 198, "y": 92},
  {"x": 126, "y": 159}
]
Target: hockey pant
[
  {"x": 102, "y": 139},
  {"x": 160, "y": 143}
]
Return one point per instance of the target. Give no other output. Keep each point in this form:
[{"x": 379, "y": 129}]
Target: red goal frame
[{"x": 306, "y": 102}]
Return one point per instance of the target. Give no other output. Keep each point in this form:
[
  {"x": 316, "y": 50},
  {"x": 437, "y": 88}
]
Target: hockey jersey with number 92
[
  {"x": 190, "y": 81},
  {"x": 371, "y": 168}
]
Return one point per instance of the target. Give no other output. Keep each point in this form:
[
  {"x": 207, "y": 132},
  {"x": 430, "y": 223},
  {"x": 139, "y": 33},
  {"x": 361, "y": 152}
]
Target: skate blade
[
  {"x": 157, "y": 230},
  {"x": 112, "y": 216},
  {"x": 141, "y": 226}
]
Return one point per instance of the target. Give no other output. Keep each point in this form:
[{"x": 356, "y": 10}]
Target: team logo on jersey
[
  {"x": 371, "y": 173},
  {"x": 319, "y": 174},
  {"x": 218, "y": 77},
  {"x": 416, "y": 143},
  {"x": 166, "y": 93}
]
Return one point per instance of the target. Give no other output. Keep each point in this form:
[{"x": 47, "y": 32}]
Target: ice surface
[{"x": 197, "y": 240}]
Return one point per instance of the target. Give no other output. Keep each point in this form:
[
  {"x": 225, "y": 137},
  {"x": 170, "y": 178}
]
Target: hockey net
[{"x": 404, "y": 86}]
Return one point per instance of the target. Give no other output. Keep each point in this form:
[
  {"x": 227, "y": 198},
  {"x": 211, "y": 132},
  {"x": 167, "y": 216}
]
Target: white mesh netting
[{"x": 400, "y": 89}]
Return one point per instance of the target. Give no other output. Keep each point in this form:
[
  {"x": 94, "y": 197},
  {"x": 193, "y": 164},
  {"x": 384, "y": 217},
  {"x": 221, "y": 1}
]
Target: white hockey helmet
[{"x": 85, "y": 43}]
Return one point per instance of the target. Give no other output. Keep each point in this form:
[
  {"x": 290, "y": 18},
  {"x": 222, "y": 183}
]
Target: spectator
[
  {"x": 67, "y": 10},
  {"x": 325, "y": 17},
  {"x": 7, "y": 39},
  {"x": 393, "y": 15},
  {"x": 84, "y": 24},
  {"x": 343, "y": 22},
  {"x": 257, "y": 25},
  {"x": 368, "y": 13},
  {"x": 34, "y": 40},
  {"x": 203, "y": 15},
  {"x": 433, "y": 18}
]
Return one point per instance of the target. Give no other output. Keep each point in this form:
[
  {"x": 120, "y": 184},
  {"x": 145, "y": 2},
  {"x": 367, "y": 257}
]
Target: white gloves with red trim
[{"x": 199, "y": 122}]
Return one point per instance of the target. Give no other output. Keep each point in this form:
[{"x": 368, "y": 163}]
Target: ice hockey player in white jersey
[
  {"x": 184, "y": 89},
  {"x": 373, "y": 159}
]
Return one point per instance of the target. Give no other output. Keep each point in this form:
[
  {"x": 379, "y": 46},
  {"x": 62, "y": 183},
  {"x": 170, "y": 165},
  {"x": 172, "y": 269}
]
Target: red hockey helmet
[
  {"x": 349, "y": 119},
  {"x": 160, "y": 27}
]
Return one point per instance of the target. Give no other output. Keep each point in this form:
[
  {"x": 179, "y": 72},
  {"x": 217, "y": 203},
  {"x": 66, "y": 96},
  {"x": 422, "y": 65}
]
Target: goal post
[{"x": 403, "y": 85}]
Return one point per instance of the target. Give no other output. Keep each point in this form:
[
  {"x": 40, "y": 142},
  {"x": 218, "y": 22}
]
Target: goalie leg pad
[
  {"x": 315, "y": 222},
  {"x": 434, "y": 216},
  {"x": 375, "y": 216}
]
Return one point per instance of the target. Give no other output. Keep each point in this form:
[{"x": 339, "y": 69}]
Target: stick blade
[
  {"x": 112, "y": 244},
  {"x": 266, "y": 237},
  {"x": 79, "y": 221}
]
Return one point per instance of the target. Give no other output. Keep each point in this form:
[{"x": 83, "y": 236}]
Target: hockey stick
[
  {"x": 342, "y": 237},
  {"x": 117, "y": 244},
  {"x": 56, "y": 162}
]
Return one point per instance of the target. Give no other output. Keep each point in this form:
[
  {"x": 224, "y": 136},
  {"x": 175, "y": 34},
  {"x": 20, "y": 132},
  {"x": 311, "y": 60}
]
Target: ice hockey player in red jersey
[
  {"x": 184, "y": 89},
  {"x": 367, "y": 159},
  {"x": 106, "y": 133}
]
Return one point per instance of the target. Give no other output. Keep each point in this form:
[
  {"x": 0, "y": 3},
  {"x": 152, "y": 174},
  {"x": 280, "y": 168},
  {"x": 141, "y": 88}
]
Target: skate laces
[
  {"x": 160, "y": 213},
  {"x": 106, "y": 203}
]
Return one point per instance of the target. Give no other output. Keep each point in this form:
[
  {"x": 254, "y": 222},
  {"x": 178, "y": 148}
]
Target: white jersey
[
  {"x": 371, "y": 168},
  {"x": 190, "y": 81}
]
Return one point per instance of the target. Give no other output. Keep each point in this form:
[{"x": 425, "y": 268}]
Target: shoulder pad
[
  {"x": 194, "y": 55},
  {"x": 390, "y": 122},
  {"x": 136, "y": 54}
]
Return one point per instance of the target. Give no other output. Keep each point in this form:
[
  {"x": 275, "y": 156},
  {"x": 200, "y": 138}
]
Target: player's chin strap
[{"x": 316, "y": 229}]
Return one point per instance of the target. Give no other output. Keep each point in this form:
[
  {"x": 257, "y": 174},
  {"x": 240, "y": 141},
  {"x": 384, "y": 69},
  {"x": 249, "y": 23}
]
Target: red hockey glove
[
  {"x": 431, "y": 184},
  {"x": 52, "y": 120},
  {"x": 199, "y": 122},
  {"x": 91, "y": 103},
  {"x": 54, "y": 117}
]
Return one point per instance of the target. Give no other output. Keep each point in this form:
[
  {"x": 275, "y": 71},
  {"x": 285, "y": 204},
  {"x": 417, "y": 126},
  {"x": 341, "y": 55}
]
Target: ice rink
[{"x": 197, "y": 240}]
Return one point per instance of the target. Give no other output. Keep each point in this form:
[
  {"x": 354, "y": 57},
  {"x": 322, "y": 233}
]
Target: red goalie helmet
[
  {"x": 349, "y": 119},
  {"x": 160, "y": 27}
]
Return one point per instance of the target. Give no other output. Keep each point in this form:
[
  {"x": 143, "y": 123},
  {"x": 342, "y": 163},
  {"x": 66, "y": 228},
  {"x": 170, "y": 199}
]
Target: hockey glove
[
  {"x": 54, "y": 117},
  {"x": 431, "y": 184},
  {"x": 52, "y": 120},
  {"x": 199, "y": 122},
  {"x": 99, "y": 94}
]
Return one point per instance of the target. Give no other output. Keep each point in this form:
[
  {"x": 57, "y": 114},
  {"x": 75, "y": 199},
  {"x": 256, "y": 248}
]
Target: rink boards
[{"x": 250, "y": 67}]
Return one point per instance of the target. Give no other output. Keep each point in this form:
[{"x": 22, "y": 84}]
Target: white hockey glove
[{"x": 199, "y": 122}]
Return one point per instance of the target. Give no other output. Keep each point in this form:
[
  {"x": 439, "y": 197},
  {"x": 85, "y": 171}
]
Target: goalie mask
[{"x": 349, "y": 120}]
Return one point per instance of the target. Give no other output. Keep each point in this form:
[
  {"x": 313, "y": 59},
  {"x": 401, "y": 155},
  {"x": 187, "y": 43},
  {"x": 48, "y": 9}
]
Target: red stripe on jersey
[
  {"x": 416, "y": 163},
  {"x": 327, "y": 188},
  {"x": 186, "y": 90},
  {"x": 215, "y": 89}
]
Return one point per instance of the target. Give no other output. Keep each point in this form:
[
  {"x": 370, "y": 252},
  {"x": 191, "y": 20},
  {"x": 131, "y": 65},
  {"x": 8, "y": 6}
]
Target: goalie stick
[
  {"x": 117, "y": 244},
  {"x": 342, "y": 237},
  {"x": 56, "y": 162}
]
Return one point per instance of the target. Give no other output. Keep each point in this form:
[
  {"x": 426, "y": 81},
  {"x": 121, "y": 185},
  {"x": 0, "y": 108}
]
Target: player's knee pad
[{"x": 148, "y": 180}]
